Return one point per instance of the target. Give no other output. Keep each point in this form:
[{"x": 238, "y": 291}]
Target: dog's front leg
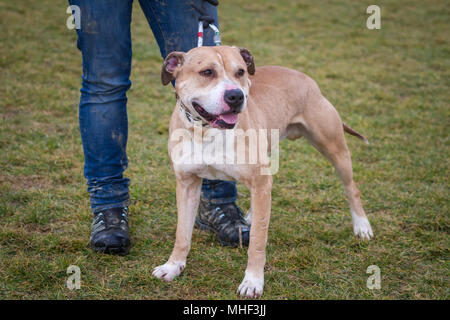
[
  {"x": 253, "y": 283},
  {"x": 188, "y": 197}
]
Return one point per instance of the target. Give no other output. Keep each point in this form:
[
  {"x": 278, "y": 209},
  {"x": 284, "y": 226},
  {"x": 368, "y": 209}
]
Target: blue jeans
[{"x": 105, "y": 42}]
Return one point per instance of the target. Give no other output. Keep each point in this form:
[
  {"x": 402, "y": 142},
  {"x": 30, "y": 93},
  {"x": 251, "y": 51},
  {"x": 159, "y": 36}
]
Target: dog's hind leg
[
  {"x": 188, "y": 197},
  {"x": 323, "y": 127}
]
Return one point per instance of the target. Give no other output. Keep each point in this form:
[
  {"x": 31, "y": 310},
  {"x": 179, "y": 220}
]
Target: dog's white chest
[{"x": 206, "y": 155}]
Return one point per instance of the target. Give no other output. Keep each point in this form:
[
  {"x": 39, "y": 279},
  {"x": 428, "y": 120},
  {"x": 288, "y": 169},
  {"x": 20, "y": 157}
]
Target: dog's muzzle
[{"x": 226, "y": 120}]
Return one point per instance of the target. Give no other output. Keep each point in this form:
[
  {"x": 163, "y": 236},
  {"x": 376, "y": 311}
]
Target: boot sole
[{"x": 121, "y": 251}]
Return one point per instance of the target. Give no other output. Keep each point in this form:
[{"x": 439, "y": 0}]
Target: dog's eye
[
  {"x": 240, "y": 73},
  {"x": 207, "y": 73}
]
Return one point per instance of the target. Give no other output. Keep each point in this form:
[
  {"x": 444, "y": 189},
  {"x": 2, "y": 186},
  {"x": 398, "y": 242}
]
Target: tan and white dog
[{"x": 220, "y": 87}]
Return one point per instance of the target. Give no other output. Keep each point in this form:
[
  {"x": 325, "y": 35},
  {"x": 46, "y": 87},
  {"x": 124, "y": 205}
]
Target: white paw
[
  {"x": 168, "y": 271},
  {"x": 361, "y": 227},
  {"x": 251, "y": 287}
]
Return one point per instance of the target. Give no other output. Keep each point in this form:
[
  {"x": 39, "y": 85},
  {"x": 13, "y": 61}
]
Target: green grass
[{"x": 390, "y": 84}]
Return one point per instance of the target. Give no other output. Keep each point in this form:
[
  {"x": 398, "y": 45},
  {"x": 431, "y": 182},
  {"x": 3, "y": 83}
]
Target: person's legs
[
  {"x": 219, "y": 191},
  {"x": 105, "y": 42},
  {"x": 175, "y": 26}
]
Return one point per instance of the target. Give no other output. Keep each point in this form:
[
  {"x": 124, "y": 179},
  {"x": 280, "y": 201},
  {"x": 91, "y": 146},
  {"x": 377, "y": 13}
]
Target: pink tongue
[{"x": 229, "y": 118}]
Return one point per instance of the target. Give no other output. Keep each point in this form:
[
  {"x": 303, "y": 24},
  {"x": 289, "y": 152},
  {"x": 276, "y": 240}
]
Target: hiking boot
[
  {"x": 110, "y": 232},
  {"x": 226, "y": 221}
]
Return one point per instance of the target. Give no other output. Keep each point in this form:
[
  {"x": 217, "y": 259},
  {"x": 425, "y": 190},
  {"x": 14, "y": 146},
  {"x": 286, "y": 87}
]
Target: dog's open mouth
[{"x": 225, "y": 120}]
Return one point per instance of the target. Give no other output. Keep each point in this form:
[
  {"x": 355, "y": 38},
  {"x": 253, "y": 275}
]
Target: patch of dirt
[
  {"x": 21, "y": 182},
  {"x": 9, "y": 113}
]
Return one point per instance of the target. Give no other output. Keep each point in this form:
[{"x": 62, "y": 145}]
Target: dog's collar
[{"x": 191, "y": 118}]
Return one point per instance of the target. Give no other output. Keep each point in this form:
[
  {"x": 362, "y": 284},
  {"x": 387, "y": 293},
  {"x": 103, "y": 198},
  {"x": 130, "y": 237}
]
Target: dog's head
[{"x": 212, "y": 82}]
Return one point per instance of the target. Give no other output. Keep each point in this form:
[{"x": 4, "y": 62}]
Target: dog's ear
[
  {"x": 171, "y": 66},
  {"x": 249, "y": 60}
]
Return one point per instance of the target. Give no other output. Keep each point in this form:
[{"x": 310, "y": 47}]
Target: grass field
[{"x": 390, "y": 84}]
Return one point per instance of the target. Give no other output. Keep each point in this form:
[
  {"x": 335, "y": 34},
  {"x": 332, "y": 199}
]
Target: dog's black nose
[{"x": 234, "y": 98}]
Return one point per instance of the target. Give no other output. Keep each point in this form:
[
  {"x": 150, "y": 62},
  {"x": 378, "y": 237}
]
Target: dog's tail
[{"x": 355, "y": 133}]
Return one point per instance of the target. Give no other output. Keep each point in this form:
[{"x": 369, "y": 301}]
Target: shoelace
[
  {"x": 233, "y": 215},
  {"x": 106, "y": 221},
  {"x": 236, "y": 216}
]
